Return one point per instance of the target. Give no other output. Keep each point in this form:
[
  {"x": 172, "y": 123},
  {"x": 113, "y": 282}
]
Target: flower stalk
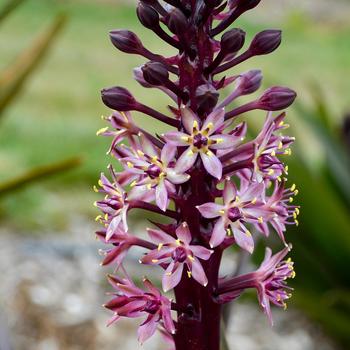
[{"x": 213, "y": 188}]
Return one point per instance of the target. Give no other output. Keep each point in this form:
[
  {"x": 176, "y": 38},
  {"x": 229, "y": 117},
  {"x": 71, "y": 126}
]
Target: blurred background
[{"x": 55, "y": 56}]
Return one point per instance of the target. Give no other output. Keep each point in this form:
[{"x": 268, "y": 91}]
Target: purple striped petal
[
  {"x": 188, "y": 118},
  {"x": 158, "y": 236},
  {"x": 175, "y": 177},
  {"x": 243, "y": 239},
  {"x": 176, "y": 138},
  {"x": 148, "y": 328},
  {"x": 216, "y": 118},
  {"x": 172, "y": 276},
  {"x": 201, "y": 252},
  {"x": 230, "y": 191},
  {"x": 183, "y": 233},
  {"x": 162, "y": 196},
  {"x": 223, "y": 141},
  {"x": 212, "y": 164},
  {"x": 210, "y": 210},
  {"x": 219, "y": 233},
  {"x": 198, "y": 272},
  {"x": 168, "y": 153},
  {"x": 186, "y": 161}
]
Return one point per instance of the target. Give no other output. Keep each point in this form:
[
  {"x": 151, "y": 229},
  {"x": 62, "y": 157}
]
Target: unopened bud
[
  {"x": 249, "y": 82},
  {"x": 126, "y": 41},
  {"x": 176, "y": 21},
  {"x": 232, "y": 41},
  {"x": 155, "y": 73},
  {"x": 244, "y": 4},
  {"x": 207, "y": 98},
  {"x": 276, "y": 98},
  {"x": 265, "y": 42},
  {"x": 147, "y": 16},
  {"x": 118, "y": 98}
]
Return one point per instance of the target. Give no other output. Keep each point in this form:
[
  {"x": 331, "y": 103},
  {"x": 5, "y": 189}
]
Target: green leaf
[
  {"x": 13, "y": 78},
  {"x": 9, "y": 6}
]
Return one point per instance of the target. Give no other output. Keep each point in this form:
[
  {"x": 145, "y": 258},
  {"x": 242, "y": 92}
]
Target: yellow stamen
[
  {"x": 101, "y": 131},
  {"x": 254, "y": 200},
  {"x": 273, "y": 153},
  {"x": 248, "y": 233},
  {"x": 160, "y": 245},
  {"x": 189, "y": 274},
  {"x": 140, "y": 153},
  {"x": 261, "y": 220},
  {"x": 129, "y": 164},
  {"x": 95, "y": 189},
  {"x": 178, "y": 242},
  {"x": 155, "y": 260},
  {"x": 222, "y": 212},
  {"x": 190, "y": 257},
  {"x": 291, "y": 199},
  {"x": 293, "y": 187},
  {"x": 271, "y": 172}
]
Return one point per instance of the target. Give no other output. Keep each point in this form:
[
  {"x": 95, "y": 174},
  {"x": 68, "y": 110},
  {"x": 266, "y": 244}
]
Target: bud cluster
[{"x": 213, "y": 188}]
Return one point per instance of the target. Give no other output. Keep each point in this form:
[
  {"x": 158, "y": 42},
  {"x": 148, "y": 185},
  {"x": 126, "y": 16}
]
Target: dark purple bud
[
  {"x": 265, "y": 42},
  {"x": 213, "y": 3},
  {"x": 155, "y": 73},
  {"x": 207, "y": 98},
  {"x": 118, "y": 98},
  {"x": 276, "y": 98},
  {"x": 244, "y": 4},
  {"x": 126, "y": 41},
  {"x": 250, "y": 82},
  {"x": 232, "y": 41},
  {"x": 147, "y": 16},
  {"x": 176, "y": 21}
]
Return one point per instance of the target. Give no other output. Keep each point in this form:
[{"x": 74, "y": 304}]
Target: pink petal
[
  {"x": 167, "y": 319},
  {"x": 175, "y": 177},
  {"x": 151, "y": 288},
  {"x": 148, "y": 328},
  {"x": 183, "y": 233},
  {"x": 210, "y": 210},
  {"x": 229, "y": 192},
  {"x": 158, "y": 236},
  {"x": 147, "y": 146},
  {"x": 113, "y": 226},
  {"x": 223, "y": 141},
  {"x": 141, "y": 193},
  {"x": 168, "y": 153},
  {"x": 188, "y": 118},
  {"x": 198, "y": 273},
  {"x": 201, "y": 252},
  {"x": 219, "y": 233},
  {"x": 243, "y": 239},
  {"x": 216, "y": 118},
  {"x": 172, "y": 276},
  {"x": 176, "y": 138},
  {"x": 186, "y": 161},
  {"x": 212, "y": 164},
  {"x": 161, "y": 196}
]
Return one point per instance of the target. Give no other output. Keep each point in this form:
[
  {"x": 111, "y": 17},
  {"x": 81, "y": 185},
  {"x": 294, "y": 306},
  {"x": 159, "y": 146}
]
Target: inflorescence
[{"x": 215, "y": 187}]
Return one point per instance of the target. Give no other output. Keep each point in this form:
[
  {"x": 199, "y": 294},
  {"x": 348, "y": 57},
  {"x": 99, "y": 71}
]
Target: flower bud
[
  {"x": 148, "y": 17},
  {"x": 249, "y": 82},
  {"x": 155, "y": 73},
  {"x": 176, "y": 21},
  {"x": 207, "y": 98},
  {"x": 118, "y": 98},
  {"x": 265, "y": 42},
  {"x": 244, "y": 4},
  {"x": 126, "y": 41},
  {"x": 276, "y": 98},
  {"x": 232, "y": 41}
]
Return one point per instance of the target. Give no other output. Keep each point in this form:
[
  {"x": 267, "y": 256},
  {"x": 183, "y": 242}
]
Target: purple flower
[
  {"x": 131, "y": 301},
  {"x": 201, "y": 139},
  {"x": 153, "y": 171},
  {"x": 269, "y": 280},
  {"x": 124, "y": 128},
  {"x": 177, "y": 252},
  {"x": 239, "y": 208}
]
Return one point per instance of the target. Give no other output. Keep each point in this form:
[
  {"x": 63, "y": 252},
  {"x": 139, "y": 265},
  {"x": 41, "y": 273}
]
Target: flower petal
[
  {"x": 223, "y": 141},
  {"x": 198, "y": 272},
  {"x": 186, "y": 161},
  {"x": 172, "y": 276},
  {"x": 229, "y": 192},
  {"x": 176, "y": 178},
  {"x": 158, "y": 236},
  {"x": 168, "y": 153},
  {"x": 162, "y": 196},
  {"x": 188, "y": 119},
  {"x": 210, "y": 210},
  {"x": 176, "y": 138},
  {"x": 219, "y": 233},
  {"x": 212, "y": 164},
  {"x": 201, "y": 252},
  {"x": 148, "y": 328},
  {"x": 216, "y": 118},
  {"x": 243, "y": 239},
  {"x": 183, "y": 233}
]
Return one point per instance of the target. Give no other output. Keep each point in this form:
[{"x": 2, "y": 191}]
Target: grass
[{"x": 58, "y": 114}]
